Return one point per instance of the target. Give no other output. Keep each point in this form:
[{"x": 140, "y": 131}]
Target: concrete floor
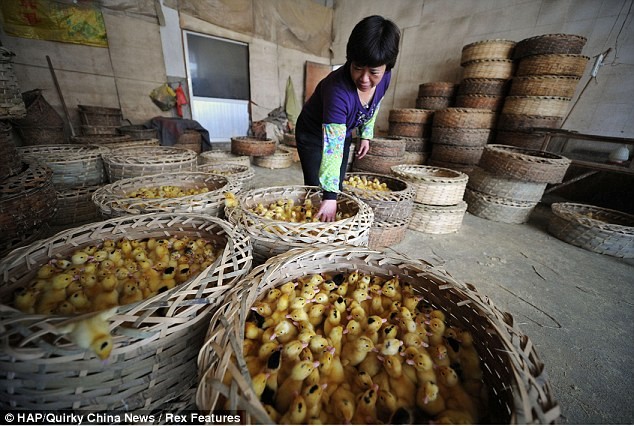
[{"x": 574, "y": 305}]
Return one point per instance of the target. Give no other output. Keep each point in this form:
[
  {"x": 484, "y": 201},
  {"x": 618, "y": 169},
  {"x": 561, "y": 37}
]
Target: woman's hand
[
  {"x": 364, "y": 146},
  {"x": 327, "y": 210}
]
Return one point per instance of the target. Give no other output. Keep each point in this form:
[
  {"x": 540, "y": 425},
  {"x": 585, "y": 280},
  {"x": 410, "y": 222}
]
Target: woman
[{"x": 347, "y": 98}]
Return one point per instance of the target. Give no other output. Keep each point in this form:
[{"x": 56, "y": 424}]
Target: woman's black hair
[{"x": 374, "y": 42}]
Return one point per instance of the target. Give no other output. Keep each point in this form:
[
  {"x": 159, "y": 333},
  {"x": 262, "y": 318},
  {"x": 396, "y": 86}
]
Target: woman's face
[{"x": 366, "y": 78}]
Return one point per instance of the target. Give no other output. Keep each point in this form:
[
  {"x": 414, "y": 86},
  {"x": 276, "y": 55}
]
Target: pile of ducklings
[
  {"x": 166, "y": 191},
  {"x": 362, "y": 182},
  {"x": 114, "y": 273},
  {"x": 286, "y": 210},
  {"x": 360, "y": 349}
]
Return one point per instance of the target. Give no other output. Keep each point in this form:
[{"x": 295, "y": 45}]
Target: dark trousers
[{"x": 310, "y": 149}]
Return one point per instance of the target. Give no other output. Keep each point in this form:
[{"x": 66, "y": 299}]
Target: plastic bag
[{"x": 164, "y": 97}]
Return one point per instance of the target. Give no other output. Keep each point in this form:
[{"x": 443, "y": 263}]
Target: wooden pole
[{"x": 61, "y": 97}]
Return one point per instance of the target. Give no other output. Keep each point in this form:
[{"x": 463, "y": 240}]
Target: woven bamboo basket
[
  {"x": 411, "y": 115},
  {"x": 433, "y": 102},
  {"x": 430, "y": 219},
  {"x": 488, "y": 68},
  {"x": 113, "y": 200},
  {"x": 75, "y": 206},
  {"x": 417, "y": 144},
  {"x": 562, "y": 65},
  {"x": 417, "y": 158},
  {"x": 295, "y": 154},
  {"x": 468, "y": 118},
  {"x": 238, "y": 172},
  {"x": 41, "y": 135},
  {"x": 486, "y": 50},
  {"x": 129, "y": 143},
  {"x": 387, "y": 234},
  {"x": 544, "y": 85},
  {"x": 387, "y": 147},
  {"x": 10, "y": 159},
  {"x": 100, "y": 139},
  {"x": 525, "y": 123},
  {"x": 484, "y": 86},
  {"x": 73, "y": 165},
  {"x": 252, "y": 146},
  {"x": 27, "y": 202},
  {"x": 376, "y": 164},
  {"x": 281, "y": 159},
  {"x": 593, "y": 228},
  {"x": 498, "y": 209},
  {"x": 139, "y": 131},
  {"x": 409, "y": 130},
  {"x": 520, "y": 139},
  {"x": 536, "y": 105},
  {"x": 491, "y": 102},
  {"x": 222, "y": 157},
  {"x": 457, "y": 153},
  {"x": 524, "y": 164},
  {"x": 90, "y": 130},
  {"x": 272, "y": 237},
  {"x": 190, "y": 139},
  {"x": 550, "y": 44},
  {"x": 443, "y": 89},
  {"x": 38, "y": 111},
  {"x": 433, "y": 185},
  {"x": 486, "y": 183},
  {"x": 156, "y": 341},
  {"x": 460, "y": 137},
  {"x": 99, "y": 116},
  {"x": 289, "y": 139},
  {"x": 11, "y": 102},
  {"x": 125, "y": 163},
  {"x": 393, "y": 205},
  {"x": 464, "y": 168}
]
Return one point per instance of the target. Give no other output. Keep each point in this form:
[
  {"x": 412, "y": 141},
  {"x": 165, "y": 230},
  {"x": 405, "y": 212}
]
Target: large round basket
[
  {"x": 484, "y": 86},
  {"x": 433, "y": 102},
  {"x": 536, "y": 105},
  {"x": 417, "y": 144},
  {"x": 388, "y": 147},
  {"x": 482, "y": 181},
  {"x": 487, "y": 49},
  {"x": 433, "y": 185},
  {"x": 272, "y": 237},
  {"x": 73, "y": 165},
  {"x": 544, "y": 85},
  {"x": 99, "y": 116},
  {"x": 520, "y": 139},
  {"x": 27, "y": 202},
  {"x": 524, "y": 164},
  {"x": 125, "y": 163},
  {"x": 550, "y": 44},
  {"x": 457, "y": 153},
  {"x": 488, "y": 68},
  {"x": 460, "y": 137},
  {"x": 594, "y": 228},
  {"x": 556, "y": 64},
  {"x": 289, "y": 139},
  {"x": 222, "y": 157},
  {"x": 10, "y": 159},
  {"x": 526, "y": 123},
  {"x": 386, "y": 234},
  {"x": 465, "y": 168},
  {"x": 410, "y": 122},
  {"x": 128, "y": 143},
  {"x": 415, "y": 158},
  {"x": 241, "y": 173},
  {"x": 491, "y": 102},
  {"x": 280, "y": 159},
  {"x": 75, "y": 206},
  {"x": 395, "y": 204},
  {"x": 430, "y": 219},
  {"x": 443, "y": 89},
  {"x": 114, "y": 199},
  {"x": 252, "y": 146},
  {"x": 498, "y": 209},
  {"x": 155, "y": 341},
  {"x": 376, "y": 164},
  {"x": 468, "y": 118},
  {"x": 513, "y": 374},
  {"x": 100, "y": 139}
]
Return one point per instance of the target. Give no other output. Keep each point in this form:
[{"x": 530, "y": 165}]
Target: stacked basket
[
  {"x": 382, "y": 155},
  {"x": 42, "y": 125},
  {"x": 11, "y": 102},
  {"x": 99, "y": 121},
  {"x": 238, "y": 172},
  {"x": 459, "y": 136},
  {"x": 77, "y": 173},
  {"x": 511, "y": 181},
  {"x": 223, "y": 157},
  {"x": 438, "y": 206},
  {"x": 392, "y": 207},
  {"x": 290, "y": 144},
  {"x": 10, "y": 159},
  {"x": 550, "y": 67},
  {"x": 125, "y": 163},
  {"x": 280, "y": 159},
  {"x": 436, "y": 95}
]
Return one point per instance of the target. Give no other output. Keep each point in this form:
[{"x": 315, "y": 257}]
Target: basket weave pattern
[
  {"x": 387, "y": 147},
  {"x": 386, "y": 234},
  {"x": 483, "y": 86},
  {"x": 488, "y": 68},
  {"x": 221, "y": 157},
  {"x": 10, "y": 159},
  {"x": 550, "y": 44},
  {"x": 238, "y": 172},
  {"x": 468, "y": 118},
  {"x": 433, "y": 185},
  {"x": 99, "y": 116},
  {"x": 376, "y": 164},
  {"x": 144, "y": 161},
  {"x": 491, "y": 102},
  {"x": 395, "y": 204},
  {"x": 536, "y": 105},
  {"x": 75, "y": 206},
  {"x": 461, "y": 137},
  {"x": 524, "y": 164},
  {"x": 457, "y": 153},
  {"x": 252, "y": 146},
  {"x": 281, "y": 159},
  {"x": 484, "y": 182},
  {"x": 544, "y": 85},
  {"x": 437, "y": 89},
  {"x": 498, "y": 209},
  {"x": 562, "y": 65},
  {"x": 430, "y": 219},
  {"x": 520, "y": 139},
  {"x": 487, "y": 49},
  {"x": 433, "y": 102}
]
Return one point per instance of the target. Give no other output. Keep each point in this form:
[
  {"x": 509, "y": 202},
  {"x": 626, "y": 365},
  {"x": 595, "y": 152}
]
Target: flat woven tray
[
  {"x": 376, "y": 164},
  {"x": 392, "y": 205},
  {"x": 281, "y": 159},
  {"x": 519, "y": 389},
  {"x": 498, "y": 209},
  {"x": 388, "y": 147},
  {"x": 433, "y": 185},
  {"x": 461, "y": 137},
  {"x": 467, "y": 118},
  {"x": 434, "y": 102},
  {"x": 438, "y": 219},
  {"x": 252, "y": 146},
  {"x": 484, "y": 86},
  {"x": 489, "y": 68},
  {"x": 241, "y": 173},
  {"x": 544, "y": 85},
  {"x": 272, "y": 237},
  {"x": 484, "y": 182},
  {"x": 487, "y": 49},
  {"x": 524, "y": 164},
  {"x": 73, "y": 165},
  {"x": 221, "y": 157},
  {"x": 520, "y": 139},
  {"x": 112, "y": 200},
  {"x": 126, "y": 163},
  {"x": 536, "y": 105},
  {"x": 550, "y": 43},
  {"x": 564, "y": 65},
  {"x": 594, "y": 228},
  {"x": 75, "y": 206},
  {"x": 156, "y": 341},
  {"x": 457, "y": 153},
  {"x": 491, "y": 102},
  {"x": 437, "y": 88}
]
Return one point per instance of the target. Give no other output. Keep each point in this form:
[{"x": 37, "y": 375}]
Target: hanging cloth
[
  {"x": 181, "y": 100},
  {"x": 292, "y": 107}
]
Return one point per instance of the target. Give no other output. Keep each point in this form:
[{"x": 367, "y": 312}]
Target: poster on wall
[{"x": 49, "y": 20}]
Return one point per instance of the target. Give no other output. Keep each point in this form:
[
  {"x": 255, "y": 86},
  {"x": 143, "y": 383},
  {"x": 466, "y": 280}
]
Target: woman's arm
[
  {"x": 366, "y": 130},
  {"x": 334, "y": 136}
]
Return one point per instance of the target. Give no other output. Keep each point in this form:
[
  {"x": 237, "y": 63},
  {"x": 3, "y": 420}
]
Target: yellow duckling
[
  {"x": 316, "y": 314},
  {"x": 457, "y": 398},
  {"x": 371, "y": 364},
  {"x": 131, "y": 293},
  {"x": 429, "y": 399},
  {"x": 25, "y": 298},
  {"x": 312, "y": 397},
  {"x": 92, "y": 333},
  {"x": 46, "y": 271},
  {"x": 284, "y": 332},
  {"x": 354, "y": 352},
  {"x": 343, "y": 404},
  {"x": 335, "y": 338},
  {"x": 318, "y": 344},
  {"x": 365, "y": 412},
  {"x": 439, "y": 355},
  {"x": 79, "y": 300},
  {"x": 389, "y": 347},
  {"x": 105, "y": 300},
  {"x": 455, "y": 417},
  {"x": 386, "y": 404},
  {"x": 79, "y": 257},
  {"x": 437, "y": 329},
  {"x": 291, "y": 350},
  {"x": 469, "y": 358},
  {"x": 296, "y": 413},
  {"x": 292, "y": 385}
]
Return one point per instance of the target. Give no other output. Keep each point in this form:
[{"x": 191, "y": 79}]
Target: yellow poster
[{"x": 50, "y": 20}]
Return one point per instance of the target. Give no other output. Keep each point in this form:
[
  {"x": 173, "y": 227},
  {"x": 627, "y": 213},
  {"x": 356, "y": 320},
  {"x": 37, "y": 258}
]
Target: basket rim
[
  {"x": 571, "y": 212},
  {"x": 372, "y": 193},
  {"x": 417, "y": 172},
  {"x": 527, "y": 154},
  {"x": 490, "y": 41},
  {"x": 554, "y": 35}
]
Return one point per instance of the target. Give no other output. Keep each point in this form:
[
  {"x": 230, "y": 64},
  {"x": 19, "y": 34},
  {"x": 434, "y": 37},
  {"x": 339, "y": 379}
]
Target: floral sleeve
[
  {"x": 329, "y": 172},
  {"x": 367, "y": 128}
]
